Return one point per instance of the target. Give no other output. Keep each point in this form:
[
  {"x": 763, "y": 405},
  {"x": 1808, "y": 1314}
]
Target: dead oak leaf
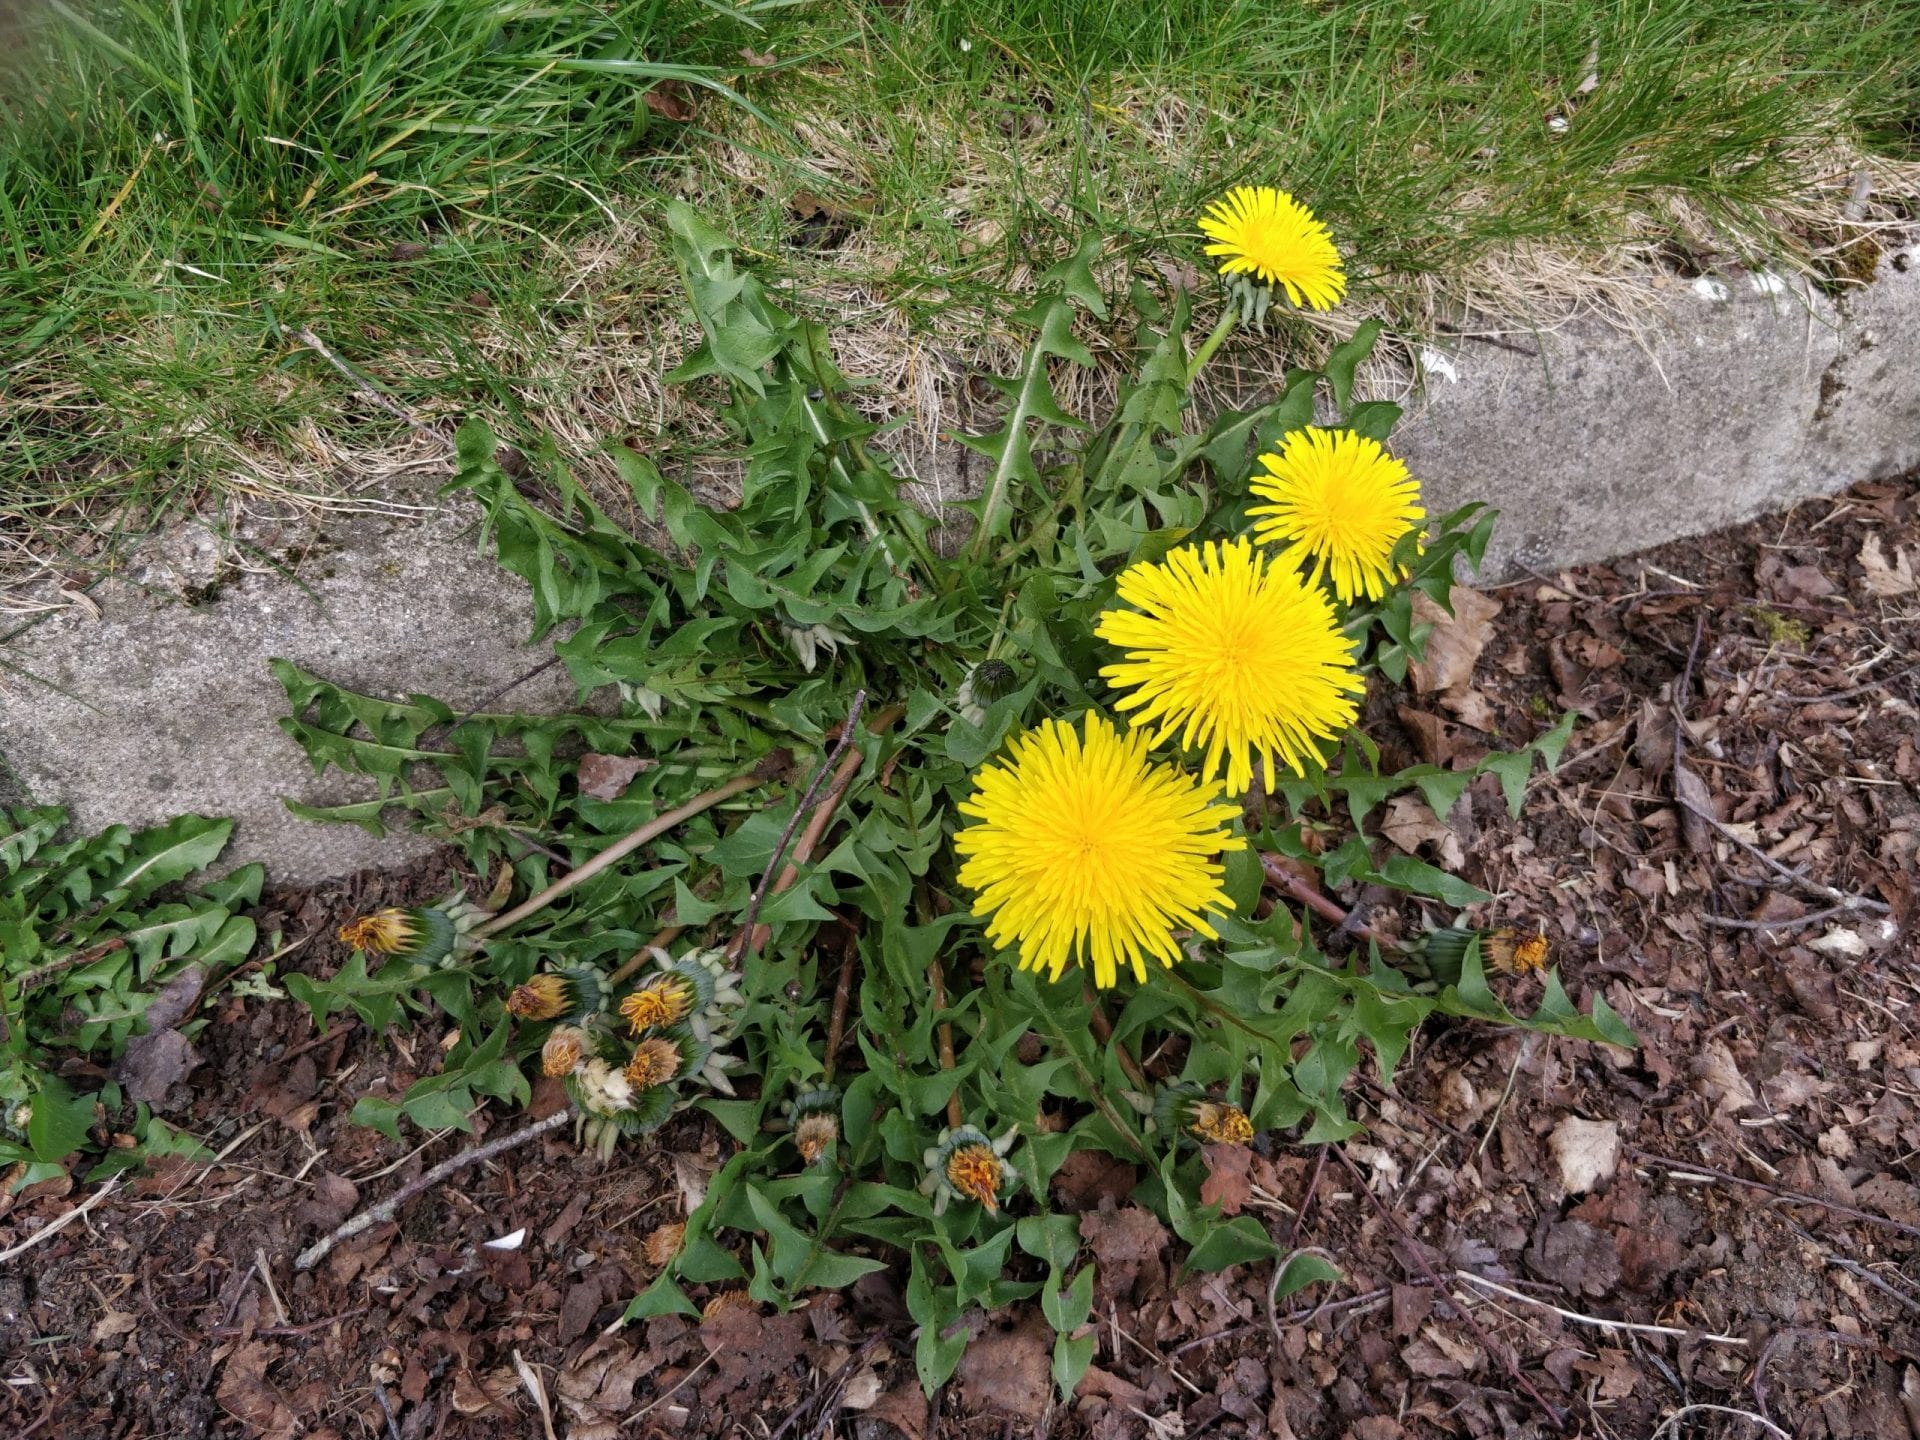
[
  {"x": 606, "y": 777},
  {"x": 1409, "y": 823},
  {"x": 671, "y": 100},
  {"x": 1455, "y": 642},
  {"x": 1011, "y": 1371},
  {"x": 246, "y": 1394},
  {"x": 1886, "y": 577},
  {"x": 1587, "y": 1151},
  {"x": 1720, "y": 1077},
  {"x": 1127, "y": 1246},
  {"x": 1227, "y": 1184}
]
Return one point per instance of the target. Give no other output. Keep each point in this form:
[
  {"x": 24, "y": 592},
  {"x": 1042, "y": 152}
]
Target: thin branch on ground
[
  {"x": 1792, "y": 1197},
  {"x": 620, "y": 849},
  {"x": 388, "y": 1208},
  {"x": 1420, "y": 1258},
  {"x": 827, "y": 765},
  {"x": 55, "y": 1226},
  {"x": 1885, "y": 682},
  {"x": 1668, "y": 1426},
  {"x": 1308, "y": 895},
  {"x": 842, "y": 998},
  {"x": 1103, "y": 1032},
  {"x": 1597, "y": 1321}
]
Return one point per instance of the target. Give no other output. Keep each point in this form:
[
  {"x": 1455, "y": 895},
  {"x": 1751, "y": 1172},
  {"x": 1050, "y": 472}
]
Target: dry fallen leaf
[
  {"x": 670, "y": 99},
  {"x": 1011, "y": 1371},
  {"x": 1720, "y": 1076},
  {"x": 1586, "y": 1152},
  {"x": 1227, "y": 1184},
  {"x": 1455, "y": 643},
  {"x": 1886, "y": 577},
  {"x": 1409, "y": 824},
  {"x": 606, "y": 777}
]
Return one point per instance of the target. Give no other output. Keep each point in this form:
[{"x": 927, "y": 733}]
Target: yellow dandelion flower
[
  {"x": 1085, "y": 850},
  {"x": 1514, "y": 954},
  {"x": 385, "y": 932},
  {"x": 975, "y": 1171},
  {"x": 1260, "y": 231},
  {"x": 1341, "y": 500},
  {"x": 655, "y": 1061},
  {"x": 1229, "y": 651},
  {"x": 664, "y": 1000},
  {"x": 1220, "y": 1124}
]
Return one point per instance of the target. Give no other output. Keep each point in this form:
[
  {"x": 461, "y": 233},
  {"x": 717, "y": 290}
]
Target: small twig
[
  {"x": 1792, "y": 1197},
  {"x": 955, "y": 1115},
  {"x": 619, "y": 850},
  {"x": 678, "y": 1385},
  {"x": 1293, "y": 1317},
  {"x": 386, "y": 1407},
  {"x": 1306, "y": 1199},
  {"x": 824, "y": 1404},
  {"x": 265, "y": 1272},
  {"x": 386, "y": 1209},
  {"x": 827, "y": 765},
  {"x": 1854, "y": 1267},
  {"x": 480, "y": 705},
  {"x": 1309, "y": 896},
  {"x": 393, "y": 407},
  {"x": 54, "y": 1227},
  {"x": 842, "y": 998},
  {"x": 1420, "y": 1258},
  {"x": 278, "y": 1331},
  {"x": 1103, "y": 1032},
  {"x": 1801, "y": 922},
  {"x": 1597, "y": 1321},
  {"x": 531, "y": 1379},
  {"x": 1668, "y": 1425},
  {"x": 1884, "y": 682}
]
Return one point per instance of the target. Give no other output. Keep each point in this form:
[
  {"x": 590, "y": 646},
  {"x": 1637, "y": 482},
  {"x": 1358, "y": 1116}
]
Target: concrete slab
[
  {"x": 1749, "y": 393},
  {"x": 160, "y": 707}
]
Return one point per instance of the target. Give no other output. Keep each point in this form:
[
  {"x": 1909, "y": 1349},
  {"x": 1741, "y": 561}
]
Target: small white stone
[
  {"x": 508, "y": 1242},
  {"x": 1708, "y": 288},
  {"x": 1434, "y": 363},
  {"x": 1765, "y": 282}
]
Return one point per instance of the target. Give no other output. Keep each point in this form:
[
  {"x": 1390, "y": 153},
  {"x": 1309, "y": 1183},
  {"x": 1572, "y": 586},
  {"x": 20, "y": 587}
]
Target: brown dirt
[{"x": 1774, "y": 1060}]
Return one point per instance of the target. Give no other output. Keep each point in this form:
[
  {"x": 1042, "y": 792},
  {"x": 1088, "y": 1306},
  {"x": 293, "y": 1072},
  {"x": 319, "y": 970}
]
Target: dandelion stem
[
  {"x": 619, "y": 850},
  {"x": 842, "y": 996},
  {"x": 1103, "y": 1032},
  {"x": 955, "y": 1116},
  {"x": 1229, "y": 318}
]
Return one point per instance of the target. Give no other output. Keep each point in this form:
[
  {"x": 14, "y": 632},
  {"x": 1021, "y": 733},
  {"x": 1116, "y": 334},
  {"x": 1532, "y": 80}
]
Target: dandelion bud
[{"x": 544, "y": 997}]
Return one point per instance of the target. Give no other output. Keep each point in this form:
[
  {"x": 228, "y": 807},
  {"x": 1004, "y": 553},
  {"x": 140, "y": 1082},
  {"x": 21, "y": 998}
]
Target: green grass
[{"x": 429, "y": 185}]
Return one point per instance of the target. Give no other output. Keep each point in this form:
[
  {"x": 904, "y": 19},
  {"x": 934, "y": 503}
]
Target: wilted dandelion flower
[
  {"x": 426, "y": 934},
  {"x": 1342, "y": 501},
  {"x": 385, "y": 932},
  {"x": 1515, "y": 954},
  {"x": 1231, "y": 653},
  {"x": 564, "y": 1049},
  {"x": 814, "y": 1118},
  {"x": 664, "y": 1000},
  {"x": 656, "y": 1060},
  {"x": 1185, "y": 1108},
  {"x": 663, "y": 1243},
  {"x": 1219, "y": 1124},
  {"x": 1083, "y": 850},
  {"x": 543, "y": 997},
  {"x": 967, "y": 1164},
  {"x": 1267, "y": 234}
]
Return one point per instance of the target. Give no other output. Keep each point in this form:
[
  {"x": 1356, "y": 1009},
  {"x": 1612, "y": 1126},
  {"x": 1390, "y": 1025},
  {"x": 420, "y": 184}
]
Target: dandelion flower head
[
  {"x": 1085, "y": 851},
  {"x": 1342, "y": 501},
  {"x": 1263, "y": 232},
  {"x": 1231, "y": 652}
]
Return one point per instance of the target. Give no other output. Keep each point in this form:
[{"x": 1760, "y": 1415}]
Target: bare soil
[{"x": 1714, "y": 1235}]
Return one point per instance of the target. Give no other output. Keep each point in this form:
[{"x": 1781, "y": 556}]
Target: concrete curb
[{"x": 1748, "y": 396}]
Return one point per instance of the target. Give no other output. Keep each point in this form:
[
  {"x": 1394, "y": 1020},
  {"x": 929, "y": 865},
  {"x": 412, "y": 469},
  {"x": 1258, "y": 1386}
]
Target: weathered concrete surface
[
  {"x": 159, "y": 707},
  {"x": 1748, "y": 394},
  {"x": 1745, "y": 398}
]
